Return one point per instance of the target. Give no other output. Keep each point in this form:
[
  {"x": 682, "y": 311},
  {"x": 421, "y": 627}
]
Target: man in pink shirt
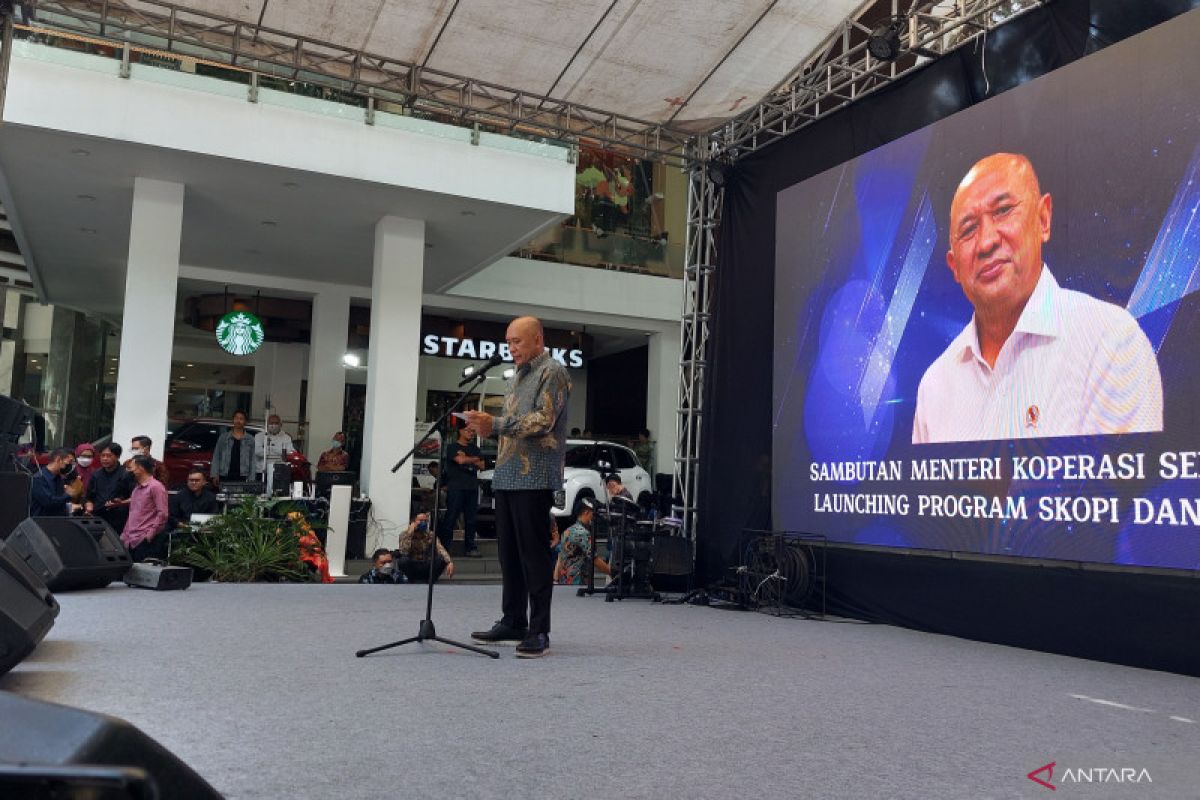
[{"x": 143, "y": 534}]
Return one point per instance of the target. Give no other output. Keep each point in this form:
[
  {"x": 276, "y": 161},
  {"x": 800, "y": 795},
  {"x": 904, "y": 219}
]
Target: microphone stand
[{"x": 427, "y": 631}]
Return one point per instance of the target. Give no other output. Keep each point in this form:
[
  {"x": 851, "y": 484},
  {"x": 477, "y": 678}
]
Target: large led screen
[{"x": 987, "y": 331}]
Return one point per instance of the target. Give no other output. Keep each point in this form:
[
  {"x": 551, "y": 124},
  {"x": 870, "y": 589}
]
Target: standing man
[
  {"x": 270, "y": 448},
  {"x": 141, "y": 447},
  {"x": 529, "y": 469},
  {"x": 48, "y": 495},
  {"x": 109, "y": 489},
  {"x": 233, "y": 455},
  {"x": 463, "y": 462},
  {"x": 147, "y": 512}
]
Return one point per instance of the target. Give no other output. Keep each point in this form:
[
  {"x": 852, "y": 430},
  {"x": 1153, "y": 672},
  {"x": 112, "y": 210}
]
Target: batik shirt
[
  {"x": 533, "y": 427},
  {"x": 574, "y": 555}
]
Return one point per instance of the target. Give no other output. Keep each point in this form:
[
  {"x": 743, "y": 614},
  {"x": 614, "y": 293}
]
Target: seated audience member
[
  {"x": 197, "y": 498},
  {"x": 85, "y": 463},
  {"x": 382, "y": 569},
  {"x": 147, "y": 512},
  {"x": 49, "y": 495},
  {"x": 141, "y": 447},
  {"x": 615, "y": 488},
  {"x": 577, "y": 549},
  {"x": 412, "y": 553},
  {"x": 233, "y": 455},
  {"x": 575, "y": 432},
  {"x": 109, "y": 489},
  {"x": 335, "y": 459}
]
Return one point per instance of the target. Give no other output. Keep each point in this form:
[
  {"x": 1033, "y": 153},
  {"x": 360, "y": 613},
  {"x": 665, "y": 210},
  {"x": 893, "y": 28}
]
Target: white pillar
[
  {"x": 662, "y": 396},
  {"x": 392, "y": 364},
  {"x": 326, "y": 374},
  {"x": 148, "y": 325},
  {"x": 339, "y": 526}
]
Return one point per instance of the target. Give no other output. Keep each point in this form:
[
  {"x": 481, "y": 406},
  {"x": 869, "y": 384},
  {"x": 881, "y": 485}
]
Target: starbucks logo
[{"x": 240, "y": 333}]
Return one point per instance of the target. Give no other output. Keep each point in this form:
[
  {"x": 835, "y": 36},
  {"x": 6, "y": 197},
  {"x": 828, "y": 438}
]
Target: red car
[{"x": 190, "y": 446}]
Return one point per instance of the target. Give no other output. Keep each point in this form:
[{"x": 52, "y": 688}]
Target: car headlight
[{"x": 560, "y": 498}]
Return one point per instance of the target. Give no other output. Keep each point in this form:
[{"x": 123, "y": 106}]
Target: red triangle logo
[{"x": 1049, "y": 770}]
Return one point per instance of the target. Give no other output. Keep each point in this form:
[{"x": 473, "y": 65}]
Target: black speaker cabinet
[
  {"x": 27, "y": 609},
  {"x": 71, "y": 552},
  {"x": 14, "y": 501},
  {"x": 79, "y": 742}
]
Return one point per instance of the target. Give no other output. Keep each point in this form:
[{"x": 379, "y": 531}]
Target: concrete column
[
  {"x": 12, "y": 347},
  {"x": 148, "y": 325},
  {"x": 662, "y": 396},
  {"x": 392, "y": 364},
  {"x": 326, "y": 375}
]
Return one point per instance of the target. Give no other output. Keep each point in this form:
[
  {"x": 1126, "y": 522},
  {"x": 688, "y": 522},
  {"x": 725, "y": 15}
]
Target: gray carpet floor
[{"x": 257, "y": 687}]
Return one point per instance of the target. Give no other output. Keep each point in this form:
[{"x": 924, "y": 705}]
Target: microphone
[{"x": 495, "y": 361}]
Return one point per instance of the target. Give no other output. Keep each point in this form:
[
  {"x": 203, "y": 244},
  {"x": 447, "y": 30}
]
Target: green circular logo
[{"x": 240, "y": 333}]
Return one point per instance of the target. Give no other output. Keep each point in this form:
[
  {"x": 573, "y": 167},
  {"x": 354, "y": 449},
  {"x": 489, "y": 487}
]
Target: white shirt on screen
[{"x": 1073, "y": 366}]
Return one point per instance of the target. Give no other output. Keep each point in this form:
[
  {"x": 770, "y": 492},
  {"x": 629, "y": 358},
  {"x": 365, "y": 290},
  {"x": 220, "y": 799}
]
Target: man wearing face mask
[
  {"x": 335, "y": 459},
  {"x": 48, "y": 493},
  {"x": 141, "y": 447},
  {"x": 271, "y": 447},
  {"x": 382, "y": 570}
]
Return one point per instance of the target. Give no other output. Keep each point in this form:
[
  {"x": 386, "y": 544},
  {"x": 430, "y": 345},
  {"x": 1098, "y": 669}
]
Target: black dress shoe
[
  {"x": 500, "y": 634},
  {"x": 535, "y": 645}
]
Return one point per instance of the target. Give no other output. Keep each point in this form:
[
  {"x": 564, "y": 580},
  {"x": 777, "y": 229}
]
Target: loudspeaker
[
  {"x": 27, "y": 609},
  {"x": 14, "y": 500},
  {"x": 71, "y": 552},
  {"x": 161, "y": 578},
  {"x": 36, "y": 732}
]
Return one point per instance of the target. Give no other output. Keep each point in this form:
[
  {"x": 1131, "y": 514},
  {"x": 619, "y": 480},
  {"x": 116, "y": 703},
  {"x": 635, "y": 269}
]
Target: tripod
[{"x": 427, "y": 631}]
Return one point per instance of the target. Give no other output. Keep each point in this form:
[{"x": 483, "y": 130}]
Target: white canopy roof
[{"x": 680, "y": 61}]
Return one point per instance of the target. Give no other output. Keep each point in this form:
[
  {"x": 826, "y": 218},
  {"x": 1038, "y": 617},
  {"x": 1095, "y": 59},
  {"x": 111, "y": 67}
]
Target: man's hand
[
  {"x": 89, "y": 508},
  {"x": 450, "y": 570},
  {"x": 481, "y": 421}
]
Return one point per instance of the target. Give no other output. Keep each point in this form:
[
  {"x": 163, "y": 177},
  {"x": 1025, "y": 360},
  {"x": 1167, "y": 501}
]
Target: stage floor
[{"x": 258, "y": 689}]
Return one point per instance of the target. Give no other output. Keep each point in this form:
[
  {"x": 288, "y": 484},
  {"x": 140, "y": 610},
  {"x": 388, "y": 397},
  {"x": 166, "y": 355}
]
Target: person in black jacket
[
  {"x": 48, "y": 496},
  {"x": 197, "y": 498},
  {"x": 109, "y": 489}
]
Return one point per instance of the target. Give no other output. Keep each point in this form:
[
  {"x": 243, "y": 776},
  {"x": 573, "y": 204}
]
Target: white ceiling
[
  {"x": 642, "y": 58},
  {"x": 323, "y": 231}
]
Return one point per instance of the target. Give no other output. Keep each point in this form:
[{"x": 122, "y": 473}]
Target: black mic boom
[{"x": 495, "y": 361}]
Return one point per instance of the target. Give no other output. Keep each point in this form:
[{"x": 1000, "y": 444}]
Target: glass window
[
  {"x": 202, "y": 435},
  {"x": 604, "y": 456},
  {"x": 625, "y": 459},
  {"x": 581, "y": 455}
]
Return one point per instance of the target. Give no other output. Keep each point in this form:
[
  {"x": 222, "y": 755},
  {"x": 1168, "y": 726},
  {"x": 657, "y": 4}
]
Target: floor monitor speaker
[
  {"x": 159, "y": 577},
  {"x": 71, "y": 552},
  {"x": 27, "y": 609},
  {"x": 73, "y": 744}
]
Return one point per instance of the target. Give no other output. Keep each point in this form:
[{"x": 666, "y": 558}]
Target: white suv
[{"x": 586, "y": 464}]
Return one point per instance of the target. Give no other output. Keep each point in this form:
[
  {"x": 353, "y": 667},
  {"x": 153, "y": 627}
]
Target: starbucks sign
[{"x": 240, "y": 333}]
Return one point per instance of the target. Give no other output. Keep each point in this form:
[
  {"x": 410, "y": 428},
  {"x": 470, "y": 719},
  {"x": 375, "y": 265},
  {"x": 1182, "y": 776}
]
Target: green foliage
[{"x": 243, "y": 546}]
